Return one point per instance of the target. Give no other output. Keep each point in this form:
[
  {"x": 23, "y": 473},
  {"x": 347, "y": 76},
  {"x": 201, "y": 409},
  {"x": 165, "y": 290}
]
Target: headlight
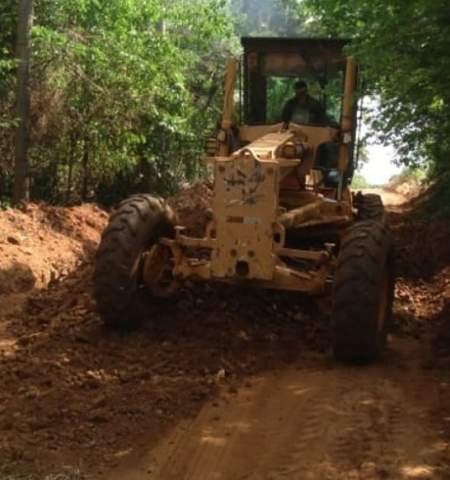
[{"x": 292, "y": 150}]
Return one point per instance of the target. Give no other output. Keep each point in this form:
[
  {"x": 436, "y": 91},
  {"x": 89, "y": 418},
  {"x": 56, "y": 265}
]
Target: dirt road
[
  {"x": 320, "y": 422},
  {"x": 224, "y": 383},
  {"x": 391, "y": 197},
  {"x": 316, "y": 420}
]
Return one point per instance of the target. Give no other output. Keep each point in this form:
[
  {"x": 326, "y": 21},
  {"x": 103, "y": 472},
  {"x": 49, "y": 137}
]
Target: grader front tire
[
  {"x": 363, "y": 293},
  {"x": 370, "y": 207},
  {"x": 118, "y": 288}
]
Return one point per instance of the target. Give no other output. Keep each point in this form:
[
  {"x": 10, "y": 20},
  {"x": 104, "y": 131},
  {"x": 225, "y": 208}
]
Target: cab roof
[{"x": 290, "y": 44}]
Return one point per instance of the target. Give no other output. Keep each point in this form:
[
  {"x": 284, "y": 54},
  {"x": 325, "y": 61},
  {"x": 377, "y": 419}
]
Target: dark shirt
[{"x": 314, "y": 108}]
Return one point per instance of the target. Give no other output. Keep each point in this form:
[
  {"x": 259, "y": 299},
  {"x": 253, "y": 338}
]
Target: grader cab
[{"x": 283, "y": 215}]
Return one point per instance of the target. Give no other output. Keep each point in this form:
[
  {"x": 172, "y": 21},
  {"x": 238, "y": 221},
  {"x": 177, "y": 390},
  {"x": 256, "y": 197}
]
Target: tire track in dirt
[{"x": 335, "y": 423}]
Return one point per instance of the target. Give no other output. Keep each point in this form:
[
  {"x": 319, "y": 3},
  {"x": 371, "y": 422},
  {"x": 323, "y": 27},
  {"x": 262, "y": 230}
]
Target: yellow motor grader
[{"x": 283, "y": 215}]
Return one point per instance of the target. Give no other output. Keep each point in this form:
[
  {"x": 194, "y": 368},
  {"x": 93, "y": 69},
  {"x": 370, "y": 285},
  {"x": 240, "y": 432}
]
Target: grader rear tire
[
  {"x": 118, "y": 290},
  {"x": 363, "y": 293}
]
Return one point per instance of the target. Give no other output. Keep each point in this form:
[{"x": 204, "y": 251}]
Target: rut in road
[{"x": 330, "y": 422}]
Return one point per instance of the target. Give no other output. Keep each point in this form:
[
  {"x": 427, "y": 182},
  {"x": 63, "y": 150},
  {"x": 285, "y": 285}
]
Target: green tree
[
  {"x": 8, "y": 31},
  {"x": 267, "y": 17},
  {"x": 402, "y": 46},
  {"x": 119, "y": 103}
]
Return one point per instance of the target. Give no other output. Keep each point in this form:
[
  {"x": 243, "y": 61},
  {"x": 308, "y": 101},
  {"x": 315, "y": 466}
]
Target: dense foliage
[
  {"x": 279, "y": 18},
  {"x": 403, "y": 48},
  {"x": 7, "y": 72},
  {"x": 115, "y": 104},
  {"x": 124, "y": 93}
]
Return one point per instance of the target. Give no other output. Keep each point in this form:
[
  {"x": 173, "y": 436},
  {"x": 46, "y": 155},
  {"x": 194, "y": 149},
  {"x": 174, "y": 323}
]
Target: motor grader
[{"x": 283, "y": 215}]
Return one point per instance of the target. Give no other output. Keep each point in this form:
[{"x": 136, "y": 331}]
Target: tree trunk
[
  {"x": 73, "y": 143},
  {"x": 85, "y": 170},
  {"x": 23, "y": 47}
]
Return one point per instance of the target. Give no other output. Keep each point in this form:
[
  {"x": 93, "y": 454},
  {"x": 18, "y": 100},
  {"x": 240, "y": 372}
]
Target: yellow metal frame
[{"x": 245, "y": 240}]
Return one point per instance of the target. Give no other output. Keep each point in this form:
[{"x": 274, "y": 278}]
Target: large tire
[
  {"x": 369, "y": 207},
  {"x": 133, "y": 228},
  {"x": 363, "y": 293}
]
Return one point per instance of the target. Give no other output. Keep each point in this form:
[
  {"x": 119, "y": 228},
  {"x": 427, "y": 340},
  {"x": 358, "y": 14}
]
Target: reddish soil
[
  {"x": 423, "y": 276},
  {"x": 74, "y": 394},
  {"x": 40, "y": 243},
  {"x": 192, "y": 205}
]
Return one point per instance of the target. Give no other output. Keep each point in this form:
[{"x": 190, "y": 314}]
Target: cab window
[{"x": 327, "y": 91}]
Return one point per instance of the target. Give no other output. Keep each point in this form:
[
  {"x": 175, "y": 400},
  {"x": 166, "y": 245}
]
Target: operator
[{"x": 302, "y": 108}]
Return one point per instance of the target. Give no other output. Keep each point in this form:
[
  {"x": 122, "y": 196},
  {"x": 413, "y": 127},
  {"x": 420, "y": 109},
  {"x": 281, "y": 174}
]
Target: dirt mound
[
  {"x": 423, "y": 277},
  {"x": 39, "y": 243},
  {"x": 389, "y": 197},
  {"x": 191, "y": 205},
  {"x": 408, "y": 187},
  {"x": 423, "y": 240}
]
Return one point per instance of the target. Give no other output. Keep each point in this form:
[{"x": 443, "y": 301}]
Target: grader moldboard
[{"x": 282, "y": 217}]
